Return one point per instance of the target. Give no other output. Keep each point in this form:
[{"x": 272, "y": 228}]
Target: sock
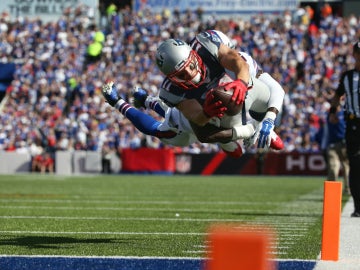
[
  {"x": 142, "y": 121},
  {"x": 155, "y": 106}
]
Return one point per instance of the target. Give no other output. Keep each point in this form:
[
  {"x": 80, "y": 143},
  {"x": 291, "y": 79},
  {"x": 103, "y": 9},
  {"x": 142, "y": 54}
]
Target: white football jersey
[{"x": 177, "y": 122}]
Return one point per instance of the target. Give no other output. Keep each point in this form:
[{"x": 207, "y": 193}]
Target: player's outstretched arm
[{"x": 232, "y": 60}]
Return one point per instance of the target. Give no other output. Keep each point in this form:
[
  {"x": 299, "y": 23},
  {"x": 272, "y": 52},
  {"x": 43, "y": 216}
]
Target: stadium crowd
[{"x": 55, "y": 98}]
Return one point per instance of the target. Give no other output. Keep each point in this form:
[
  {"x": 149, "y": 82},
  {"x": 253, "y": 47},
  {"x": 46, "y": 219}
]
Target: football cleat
[
  {"x": 107, "y": 88},
  {"x": 276, "y": 142},
  {"x": 110, "y": 93},
  {"x": 140, "y": 96},
  {"x": 236, "y": 153}
]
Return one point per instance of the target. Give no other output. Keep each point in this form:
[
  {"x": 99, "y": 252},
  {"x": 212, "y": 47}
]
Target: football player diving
[
  {"x": 177, "y": 130},
  {"x": 192, "y": 70}
]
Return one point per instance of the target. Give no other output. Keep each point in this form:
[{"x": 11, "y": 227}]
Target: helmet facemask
[{"x": 190, "y": 74}]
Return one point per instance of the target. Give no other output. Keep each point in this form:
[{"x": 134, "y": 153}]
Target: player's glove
[
  {"x": 264, "y": 129},
  {"x": 110, "y": 94},
  {"x": 213, "y": 108},
  {"x": 239, "y": 92}
]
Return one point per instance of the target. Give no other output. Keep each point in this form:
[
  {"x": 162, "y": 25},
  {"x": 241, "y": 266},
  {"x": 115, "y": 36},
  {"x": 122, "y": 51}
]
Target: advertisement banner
[
  {"x": 148, "y": 160},
  {"x": 252, "y": 164},
  {"x": 219, "y": 7},
  {"x": 165, "y": 160},
  {"x": 47, "y": 10}
]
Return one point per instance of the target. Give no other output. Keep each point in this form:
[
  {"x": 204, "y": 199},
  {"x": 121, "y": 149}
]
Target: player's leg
[
  {"x": 276, "y": 142},
  {"x": 232, "y": 149},
  {"x": 142, "y": 121}
]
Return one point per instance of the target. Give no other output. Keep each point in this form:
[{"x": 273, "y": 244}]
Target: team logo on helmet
[
  {"x": 160, "y": 61},
  {"x": 179, "y": 42}
]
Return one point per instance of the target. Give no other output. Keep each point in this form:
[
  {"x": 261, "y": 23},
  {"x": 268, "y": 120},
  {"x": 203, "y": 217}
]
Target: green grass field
[{"x": 146, "y": 215}]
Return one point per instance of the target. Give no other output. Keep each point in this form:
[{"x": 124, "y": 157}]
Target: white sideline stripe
[
  {"x": 100, "y": 233},
  {"x": 279, "y": 224},
  {"x": 249, "y": 211},
  {"x": 25, "y": 200},
  {"x": 283, "y": 227}
]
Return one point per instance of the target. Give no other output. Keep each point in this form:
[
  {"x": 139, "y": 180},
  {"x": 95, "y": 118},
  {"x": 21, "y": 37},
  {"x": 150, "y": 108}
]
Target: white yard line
[
  {"x": 189, "y": 210},
  {"x": 25, "y": 200},
  {"x": 105, "y": 233},
  {"x": 282, "y": 226}
]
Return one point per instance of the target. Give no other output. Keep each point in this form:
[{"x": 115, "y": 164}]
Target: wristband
[
  {"x": 271, "y": 115},
  {"x": 241, "y": 80}
]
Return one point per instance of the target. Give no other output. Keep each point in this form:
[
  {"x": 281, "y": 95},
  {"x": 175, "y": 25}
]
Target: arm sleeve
[{"x": 277, "y": 93}]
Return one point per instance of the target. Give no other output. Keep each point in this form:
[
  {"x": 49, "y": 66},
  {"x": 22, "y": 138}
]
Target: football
[{"x": 225, "y": 97}]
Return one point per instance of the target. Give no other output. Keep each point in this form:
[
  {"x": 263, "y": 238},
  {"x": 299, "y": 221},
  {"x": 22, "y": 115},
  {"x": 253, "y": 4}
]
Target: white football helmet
[{"x": 180, "y": 63}]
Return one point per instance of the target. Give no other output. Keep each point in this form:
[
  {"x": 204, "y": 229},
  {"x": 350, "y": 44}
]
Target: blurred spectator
[
  {"x": 36, "y": 163},
  {"x": 111, "y": 11},
  {"x": 11, "y": 147},
  {"x": 43, "y": 163},
  {"x": 336, "y": 154},
  {"x": 7, "y": 71},
  {"x": 310, "y": 12},
  {"x": 326, "y": 10},
  {"x": 47, "y": 163},
  {"x": 106, "y": 153},
  {"x": 95, "y": 47}
]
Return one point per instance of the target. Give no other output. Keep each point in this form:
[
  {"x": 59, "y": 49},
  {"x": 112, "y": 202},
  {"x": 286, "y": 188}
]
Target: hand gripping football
[{"x": 225, "y": 97}]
